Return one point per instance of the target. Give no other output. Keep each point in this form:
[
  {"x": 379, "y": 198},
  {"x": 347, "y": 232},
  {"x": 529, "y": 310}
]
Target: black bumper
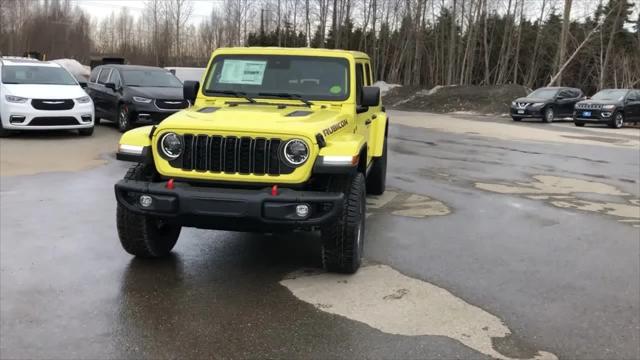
[
  {"x": 230, "y": 209},
  {"x": 526, "y": 113}
]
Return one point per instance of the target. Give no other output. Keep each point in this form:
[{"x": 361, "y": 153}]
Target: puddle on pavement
[
  {"x": 391, "y": 302},
  {"x": 397, "y": 202},
  {"x": 569, "y": 193}
]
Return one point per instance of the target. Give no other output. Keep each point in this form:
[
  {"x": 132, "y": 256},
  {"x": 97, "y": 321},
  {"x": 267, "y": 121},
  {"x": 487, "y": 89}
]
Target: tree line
[{"x": 413, "y": 42}]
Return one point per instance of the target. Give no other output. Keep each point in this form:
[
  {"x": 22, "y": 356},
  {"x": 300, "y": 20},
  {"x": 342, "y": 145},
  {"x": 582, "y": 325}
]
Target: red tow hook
[
  {"x": 274, "y": 190},
  {"x": 170, "y": 184}
]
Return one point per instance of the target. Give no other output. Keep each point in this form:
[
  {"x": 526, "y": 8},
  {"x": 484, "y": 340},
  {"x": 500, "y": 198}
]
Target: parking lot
[{"x": 494, "y": 240}]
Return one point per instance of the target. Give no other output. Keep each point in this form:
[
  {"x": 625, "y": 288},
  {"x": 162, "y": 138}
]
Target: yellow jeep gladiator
[{"x": 276, "y": 139}]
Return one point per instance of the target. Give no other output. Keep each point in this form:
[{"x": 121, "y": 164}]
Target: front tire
[
  {"x": 123, "y": 118},
  {"x": 86, "y": 132},
  {"x": 549, "y": 114},
  {"x": 579, "y": 124},
  {"x": 377, "y": 179},
  {"x": 3, "y": 131},
  {"x": 142, "y": 235},
  {"x": 618, "y": 121},
  {"x": 343, "y": 239},
  {"x": 516, "y": 118}
]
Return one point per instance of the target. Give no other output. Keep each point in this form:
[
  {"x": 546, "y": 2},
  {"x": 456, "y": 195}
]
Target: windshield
[
  {"x": 43, "y": 75},
  {"x": 150, "y": 78},
  {"x": 616, "y": 95},
  {"x": 276, "y": 76},
  {"x": 543, "y": 93}
]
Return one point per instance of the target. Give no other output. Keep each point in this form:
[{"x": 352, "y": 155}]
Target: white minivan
[{"x": 40, "y": 95}]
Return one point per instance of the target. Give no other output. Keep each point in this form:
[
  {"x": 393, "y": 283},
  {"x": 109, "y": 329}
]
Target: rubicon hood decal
[{"x": 335, "y": 127}]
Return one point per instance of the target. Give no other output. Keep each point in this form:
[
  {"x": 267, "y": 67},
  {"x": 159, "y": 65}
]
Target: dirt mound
[{"x": 444, "y": 99}]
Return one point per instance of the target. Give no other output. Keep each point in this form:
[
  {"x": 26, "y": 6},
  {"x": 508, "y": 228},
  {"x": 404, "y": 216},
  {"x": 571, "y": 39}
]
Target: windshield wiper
[
  {"x": 238, "y": 94},
  {"x": 288, "y": 96}
]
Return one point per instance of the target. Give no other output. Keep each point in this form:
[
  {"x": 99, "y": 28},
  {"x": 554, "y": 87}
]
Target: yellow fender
[
  {"x": 378, "y": 134},
  {"x": 137, "y": 137}
]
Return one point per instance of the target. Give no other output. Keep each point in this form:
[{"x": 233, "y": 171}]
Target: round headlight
[
  {"x": 295, "y": 152},
  {"x": 171, "y": 145}
]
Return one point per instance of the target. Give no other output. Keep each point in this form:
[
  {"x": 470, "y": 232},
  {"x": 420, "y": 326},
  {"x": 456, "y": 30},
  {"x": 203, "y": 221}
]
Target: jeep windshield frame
[{"x": 289, "y": 77}]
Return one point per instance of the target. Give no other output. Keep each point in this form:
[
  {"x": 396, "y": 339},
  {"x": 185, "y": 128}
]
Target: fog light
[
  {"x": 606, "y": 114},
  {"x": 86, "y": 118},
  {"x": 302, "y": 210},
  {"x": 14, "y": 119},
  {"x": 145, "y": 201}
]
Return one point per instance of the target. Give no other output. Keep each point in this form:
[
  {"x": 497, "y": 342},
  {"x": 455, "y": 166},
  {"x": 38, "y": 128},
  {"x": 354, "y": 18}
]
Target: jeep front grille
[{"x": 231, "y": 154}]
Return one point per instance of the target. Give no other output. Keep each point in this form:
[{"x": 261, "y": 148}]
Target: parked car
[
  {"x": 547, "y": 103},
  {"x": 613, "y": 107},
  {"x": 39, "y": 95},
  {"x": 187, "y": 73},
  {"x": 129, "y": 93}
]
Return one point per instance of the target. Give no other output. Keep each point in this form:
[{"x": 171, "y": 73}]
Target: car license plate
[
  {"x": 520, "y": 111},
  {"x": 586, "y": 113}
]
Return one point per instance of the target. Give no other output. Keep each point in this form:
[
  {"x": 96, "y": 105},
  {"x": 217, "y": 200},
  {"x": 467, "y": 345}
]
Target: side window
[
  {"x": 115, "y": 78},
  {"x": 576, "y": 94},
  {"x": 359, "y": 83},
  {"x": 367, "y": 72},
  {"x": 104, "y": 76},
  {"x": 94, "y": 75},
  {"x": 564, "y": 94}
]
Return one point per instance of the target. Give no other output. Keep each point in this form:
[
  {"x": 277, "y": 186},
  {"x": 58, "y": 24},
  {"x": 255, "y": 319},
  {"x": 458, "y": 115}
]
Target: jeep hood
[{"x": 268, "y": 119}]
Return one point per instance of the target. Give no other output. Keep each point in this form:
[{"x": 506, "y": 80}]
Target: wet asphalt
[{"x": 563, "y": 280}]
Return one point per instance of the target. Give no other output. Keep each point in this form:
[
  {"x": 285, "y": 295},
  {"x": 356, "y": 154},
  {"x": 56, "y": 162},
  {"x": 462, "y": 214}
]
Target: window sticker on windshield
[{"x": 247, "y": 72}]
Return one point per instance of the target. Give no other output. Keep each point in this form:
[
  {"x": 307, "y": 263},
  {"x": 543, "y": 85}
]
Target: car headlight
[
  {"x": 143, "y": 100},
  {"x": 83, "y": 100},
  {"x": 513, "y": 103},
  {"x": 295, "y": 152},
  {"x": 171, "y": 145},
  {"x": 609, "y": 107},
  {"x": 15, "y": 99},
  {"x": 537, "y": 104}
]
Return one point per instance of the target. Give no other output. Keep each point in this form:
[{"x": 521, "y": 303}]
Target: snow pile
[
  {"x": 81, "y": 72},
  {"x": 384, "y": 87}
]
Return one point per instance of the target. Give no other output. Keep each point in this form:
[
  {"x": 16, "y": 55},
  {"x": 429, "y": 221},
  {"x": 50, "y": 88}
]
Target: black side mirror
[
  {"x": 370, "y": 96},
  {"x": 83, "y": 84},
  {"x": 111, "y": 86},
  {"x": 190, "y": 90}
]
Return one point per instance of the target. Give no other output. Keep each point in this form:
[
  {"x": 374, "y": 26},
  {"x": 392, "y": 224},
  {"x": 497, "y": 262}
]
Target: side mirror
[
  {"x": 370, "y": 96},
  {"x": 111, "y": 86},
  {"x": 190, "y": 90},
  {"x": 83, "y": 84}
]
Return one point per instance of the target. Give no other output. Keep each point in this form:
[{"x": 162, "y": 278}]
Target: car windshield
[
  {"x": 543, "y": 93},
  {"x": 616, "y": 95},
  {"x": 279, "y": 76},
  {"x": 42, "y": 75},
  {"x": 150, "y": 78}
]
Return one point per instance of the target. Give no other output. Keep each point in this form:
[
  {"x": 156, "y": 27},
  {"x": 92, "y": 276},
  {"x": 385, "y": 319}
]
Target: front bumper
[
  {"x": 229, "y": 209},
  {"x": 23, "y": 116},
  {"x": 149, "y": 112},
  {"x": 528, "y": 112},
  {"x": 594, "y": 116}
]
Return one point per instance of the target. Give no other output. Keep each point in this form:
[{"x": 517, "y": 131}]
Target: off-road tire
[
  {"x": 579, "y": 124},
  {"x": 142, "y": 235},
  {"x": 548, "y": 115},
  {"x": 343, "y": 239},
  {"x": 123, "y": 125},
  {"x": 377, "y": 179},
  {"x": 618, "y": 121},
  {"x": 85, "y": 132}
]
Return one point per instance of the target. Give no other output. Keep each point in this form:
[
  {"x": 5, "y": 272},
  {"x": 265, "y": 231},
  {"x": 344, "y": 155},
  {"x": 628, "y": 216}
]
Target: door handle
[{"x": 367, "y": 122}]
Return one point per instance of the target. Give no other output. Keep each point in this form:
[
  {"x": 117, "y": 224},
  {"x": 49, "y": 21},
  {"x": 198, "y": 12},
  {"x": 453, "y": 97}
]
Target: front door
[{"x": 363, "y": 115}]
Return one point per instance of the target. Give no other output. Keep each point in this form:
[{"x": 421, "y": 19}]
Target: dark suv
[
  {"x": 128, "y": 93},
  {"x": 613, "y": 107},
  {"x": 546, "y": 103}
]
